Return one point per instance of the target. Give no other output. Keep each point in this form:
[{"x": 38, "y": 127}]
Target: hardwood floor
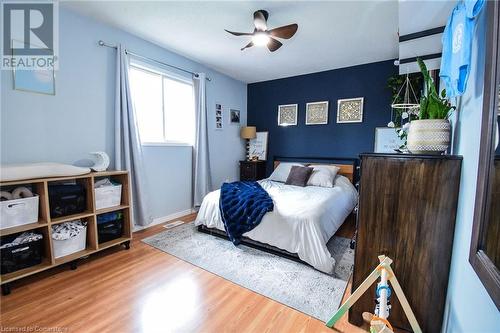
[{"x": 146, "y": 290}]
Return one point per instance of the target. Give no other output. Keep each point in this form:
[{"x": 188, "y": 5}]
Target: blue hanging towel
[
  {"x": 242, "y": 206},
  {"x": 457, "y": 44}
]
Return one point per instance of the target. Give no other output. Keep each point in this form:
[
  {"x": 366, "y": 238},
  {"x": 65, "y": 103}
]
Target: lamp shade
[{"x": 248, "y": 132}]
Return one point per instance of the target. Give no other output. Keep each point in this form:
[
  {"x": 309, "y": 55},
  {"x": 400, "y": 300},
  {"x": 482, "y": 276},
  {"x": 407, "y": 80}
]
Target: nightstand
[{"x": 252, "y": 170}]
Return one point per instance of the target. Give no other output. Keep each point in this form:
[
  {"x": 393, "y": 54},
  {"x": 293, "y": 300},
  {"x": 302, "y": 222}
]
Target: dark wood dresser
[
  {"x": 407, "y": 209},
  {"x": 252, "y": 170}
]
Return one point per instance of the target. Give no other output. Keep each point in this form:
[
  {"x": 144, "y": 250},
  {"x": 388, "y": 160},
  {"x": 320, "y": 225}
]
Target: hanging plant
[
  {"x": 402, "y": 116},
  {"x": 394, "y": 84}
]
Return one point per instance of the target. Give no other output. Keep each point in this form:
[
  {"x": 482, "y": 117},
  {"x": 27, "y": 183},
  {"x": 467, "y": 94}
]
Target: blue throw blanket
[{"x": 242, "y": 206}]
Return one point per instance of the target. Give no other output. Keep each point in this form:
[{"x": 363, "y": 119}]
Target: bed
[{"x": 302, "y": 222}]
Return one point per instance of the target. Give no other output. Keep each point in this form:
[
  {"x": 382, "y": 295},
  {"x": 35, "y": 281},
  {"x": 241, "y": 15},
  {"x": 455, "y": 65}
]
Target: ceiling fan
[{"x": 263, "y": 37}]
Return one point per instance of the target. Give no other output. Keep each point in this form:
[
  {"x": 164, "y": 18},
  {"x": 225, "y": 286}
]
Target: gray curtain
[
  {"x": 202, "y": 183},
  {"x": 128, "y": 149}
]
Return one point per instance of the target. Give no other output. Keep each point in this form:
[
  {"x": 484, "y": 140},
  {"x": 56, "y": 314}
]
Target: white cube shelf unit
[{"x": 45, "y": 222}]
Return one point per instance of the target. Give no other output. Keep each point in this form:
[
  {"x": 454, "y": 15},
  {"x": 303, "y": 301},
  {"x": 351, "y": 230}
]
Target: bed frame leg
[{"x": 6, "y": 289}]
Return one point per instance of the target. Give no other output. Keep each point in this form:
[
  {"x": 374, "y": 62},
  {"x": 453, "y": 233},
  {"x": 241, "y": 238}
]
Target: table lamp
[{"x": 247, "y": 133}]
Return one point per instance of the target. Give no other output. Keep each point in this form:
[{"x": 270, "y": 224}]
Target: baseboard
[{"x": 163, "y": 219}]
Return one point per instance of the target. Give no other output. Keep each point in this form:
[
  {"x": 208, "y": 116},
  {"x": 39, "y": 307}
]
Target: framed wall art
[
  {"x": 287, "y": 114},
  {"x": 386, "y": 140},
  {"x": 37, "y": 80},
  {"x": 258, "y": 146},
  {"x": 350, "y": 110},
  {"x": 41, "y": 81},
  {"x": 317, "y": 113},
  {"x": 218, "y": 117},
  {"x": 234, "y": 115}
]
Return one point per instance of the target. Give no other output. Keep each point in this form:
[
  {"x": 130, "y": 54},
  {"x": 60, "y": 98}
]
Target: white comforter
[{"x": 302, "y": 222}]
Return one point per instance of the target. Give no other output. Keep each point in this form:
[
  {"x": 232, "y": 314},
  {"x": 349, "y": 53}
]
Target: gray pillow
[
  {"x": 299, "y": 175},
  {"x": 282, "y": 171}
]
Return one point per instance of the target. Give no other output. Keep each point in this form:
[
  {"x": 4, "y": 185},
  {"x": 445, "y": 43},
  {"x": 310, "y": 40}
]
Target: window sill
[{"x": 166, "y": 144}]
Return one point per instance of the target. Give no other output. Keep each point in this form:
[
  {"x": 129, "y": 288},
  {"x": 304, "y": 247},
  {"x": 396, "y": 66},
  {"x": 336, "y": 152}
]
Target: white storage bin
[
  {"x": 18, "y": 212},
  {"x": 69, "y": 246},
  {"x": 108, "y": 196}
]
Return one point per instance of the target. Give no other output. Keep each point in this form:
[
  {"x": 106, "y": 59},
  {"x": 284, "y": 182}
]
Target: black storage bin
[
  {"x": 109, "y": 226},
  {"x": 66, "y": 199},
  {"x": 20, "y": 256}
]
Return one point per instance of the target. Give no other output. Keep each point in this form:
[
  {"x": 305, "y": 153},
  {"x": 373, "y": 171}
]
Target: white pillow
[
  {"x": 280, "y": 174},
  {"x": 323, "y": 175}
]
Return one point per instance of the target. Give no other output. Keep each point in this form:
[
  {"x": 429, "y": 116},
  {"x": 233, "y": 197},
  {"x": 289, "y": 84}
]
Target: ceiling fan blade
[
  {"x": 239, "y": 33},
  {"x": 247, "y": 46},
  {"x": 273, "y": 44},
  {"x": 285, "y": 32},
  {"x": 260, "y": 20}
]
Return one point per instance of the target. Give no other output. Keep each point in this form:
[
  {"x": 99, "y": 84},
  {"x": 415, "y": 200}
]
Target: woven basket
[{"x": 429, "y": 136}]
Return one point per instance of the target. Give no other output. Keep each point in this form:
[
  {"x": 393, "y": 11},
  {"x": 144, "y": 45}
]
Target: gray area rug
[{"x": 291, "y": 283}]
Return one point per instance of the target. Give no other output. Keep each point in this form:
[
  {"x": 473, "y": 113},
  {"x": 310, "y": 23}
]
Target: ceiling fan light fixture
[
  {"x": 260, "y": 39},
  {"x": 261, "y": 36}
]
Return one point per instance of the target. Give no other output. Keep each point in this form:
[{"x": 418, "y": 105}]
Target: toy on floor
[{"x": 379, "y": 322}]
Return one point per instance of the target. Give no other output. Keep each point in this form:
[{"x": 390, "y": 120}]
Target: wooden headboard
[{"x": 347, "y": 168}]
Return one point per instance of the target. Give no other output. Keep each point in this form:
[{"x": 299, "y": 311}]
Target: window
[{"x": 164, "y": 105}]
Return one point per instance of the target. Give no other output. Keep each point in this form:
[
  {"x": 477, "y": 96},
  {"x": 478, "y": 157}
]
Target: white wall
[
  {"x": 417, "y": 16},
  {"x": 79, "y": 118},
  {"x": 469, "y": 308}
]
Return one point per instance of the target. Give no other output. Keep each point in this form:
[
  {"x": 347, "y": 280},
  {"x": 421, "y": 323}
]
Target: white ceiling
[{"x": 331, "y": 34}]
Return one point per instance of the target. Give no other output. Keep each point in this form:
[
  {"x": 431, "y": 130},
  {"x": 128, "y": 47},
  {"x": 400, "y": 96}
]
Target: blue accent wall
[{"x": 331, "y": 140}]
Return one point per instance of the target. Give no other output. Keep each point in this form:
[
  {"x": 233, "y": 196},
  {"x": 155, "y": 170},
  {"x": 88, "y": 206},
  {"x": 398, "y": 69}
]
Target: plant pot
[{"x": 429, "y": 136}]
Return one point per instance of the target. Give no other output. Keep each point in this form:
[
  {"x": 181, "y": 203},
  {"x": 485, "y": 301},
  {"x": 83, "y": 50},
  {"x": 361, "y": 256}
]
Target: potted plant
[{"x": 430, "y": 134}]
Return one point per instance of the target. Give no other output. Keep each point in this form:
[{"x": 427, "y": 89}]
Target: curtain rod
[{"x": 102, "y": 43}]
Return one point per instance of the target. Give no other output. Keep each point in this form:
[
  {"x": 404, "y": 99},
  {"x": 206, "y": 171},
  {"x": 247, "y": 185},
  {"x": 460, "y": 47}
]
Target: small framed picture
[
  {"x": 234, "y": 116},
  {"x": 386, "y": 140},
  {"x": 37, "y": 80},
  {"x": 317, "y": 113},
  {"x": 218, "y": 117},
  {"x": 287, "y": 115},
  {"x": 41, "y": 81},
  {"x": 258, "y": 146},
  {"x": 350, "y": 110}
]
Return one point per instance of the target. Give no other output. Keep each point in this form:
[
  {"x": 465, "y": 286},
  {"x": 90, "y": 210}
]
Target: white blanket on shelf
[
  {"x": 12, "y": 172},
  {"x": 302, "y": 222}
]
